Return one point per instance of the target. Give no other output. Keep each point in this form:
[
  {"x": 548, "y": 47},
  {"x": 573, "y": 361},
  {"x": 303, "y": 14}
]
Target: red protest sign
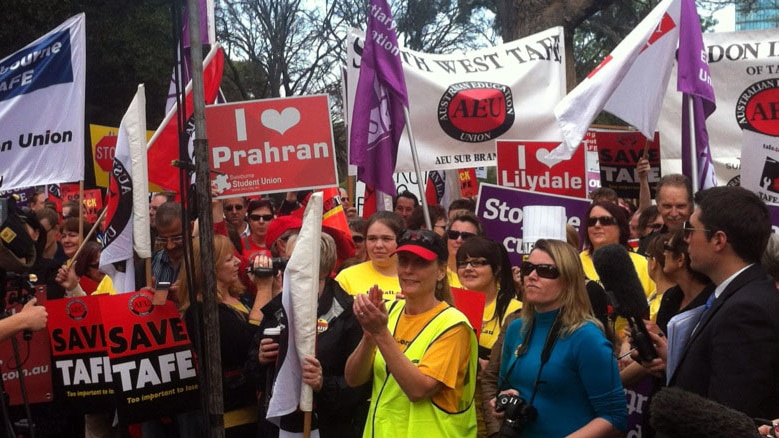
[
  {"x": 618, "y": 154},
  {"x": 272, "y": 145},
  {"x": 36, "y": 366},
  {"x": 469, "y": 185},
  {"x": 82, "y": 371},
  {"x": 151, "y": 357},
  {"x": 471, "y": 304},
  {"x": 524, "y": 165}
]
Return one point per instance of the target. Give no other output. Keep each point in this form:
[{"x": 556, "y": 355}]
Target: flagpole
[
  {"x": 209, "y": 317},
  {"x": 415, "y": 157},
  {"x": 693, "y": 143},
  {"x": 89, "y": 235}
]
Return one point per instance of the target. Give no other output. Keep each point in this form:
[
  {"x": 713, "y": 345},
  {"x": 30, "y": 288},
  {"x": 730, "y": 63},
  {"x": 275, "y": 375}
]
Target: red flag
[{"x": 163, "y": 146}]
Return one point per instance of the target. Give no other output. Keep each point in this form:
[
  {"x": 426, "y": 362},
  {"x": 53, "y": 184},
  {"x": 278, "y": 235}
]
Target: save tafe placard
[
  {"x": 271, "y": 145},
  {"x": 153, "y": 365},
  {"x": 120, "y": 352},
  {"x": 82, "y": 371}
]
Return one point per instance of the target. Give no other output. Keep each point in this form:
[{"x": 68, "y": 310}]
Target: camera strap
[{"x": 546, "y": 352}]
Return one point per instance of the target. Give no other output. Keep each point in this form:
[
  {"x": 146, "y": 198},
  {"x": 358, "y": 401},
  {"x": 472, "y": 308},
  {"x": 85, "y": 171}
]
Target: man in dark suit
[{"x": 732, "y": 355}]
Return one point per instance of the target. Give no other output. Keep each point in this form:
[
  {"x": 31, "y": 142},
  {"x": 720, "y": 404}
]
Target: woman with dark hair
[
  {"x": 421, "y": 353},
  {"x": 649, "y": 221},
  {"x": 692, "y": 288},
  {"x": 384, "y": 228},
  {"x": 556, "y": 357},
  {"x": 464, "y": 226},
  {"x": 483, "y": 266},
  {"x": 608, "y": 223}
]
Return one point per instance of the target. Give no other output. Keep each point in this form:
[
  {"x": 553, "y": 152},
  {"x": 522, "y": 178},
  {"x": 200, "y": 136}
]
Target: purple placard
[
  {"x": 774, "y": 209},
  {"x": 500, "y": 210},
  {"x": 24, "y": 195}
]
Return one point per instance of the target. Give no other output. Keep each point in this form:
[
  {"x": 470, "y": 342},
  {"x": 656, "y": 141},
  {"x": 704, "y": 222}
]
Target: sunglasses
[
  {"x": 543, "y": 271},
  {"x": 689, "y": 229},
  {"x": 257, "y": 217},
  {"x": 655, "y": 226},
  {"x": 475, "y": 263},
  {"x": 94, "y": 265},
  {"x": 605, "y": 221},
  {"x": 454, "y": 235},
  {"x": 358, "y": 239},
  {"x": 234, "y": 207}
]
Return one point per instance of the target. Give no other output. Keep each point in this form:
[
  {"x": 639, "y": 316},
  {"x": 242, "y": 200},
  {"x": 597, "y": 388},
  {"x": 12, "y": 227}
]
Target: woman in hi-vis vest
[{"x": 421, "y": 352}]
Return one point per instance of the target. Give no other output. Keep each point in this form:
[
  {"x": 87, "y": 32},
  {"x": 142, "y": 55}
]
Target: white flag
[
  {"x": 629, "y": 83},
  {"x": 299, "y": 299},
  {"x": 42, "y": 109},
  {"x": 127, "y": 216}
]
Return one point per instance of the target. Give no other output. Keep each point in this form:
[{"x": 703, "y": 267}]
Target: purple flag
[
  {"x": 694, "y": 81},
  {"x": 377, "y": 122}
]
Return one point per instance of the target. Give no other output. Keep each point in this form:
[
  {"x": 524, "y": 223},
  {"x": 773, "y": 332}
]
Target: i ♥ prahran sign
[{"x": 273, "y": 145}]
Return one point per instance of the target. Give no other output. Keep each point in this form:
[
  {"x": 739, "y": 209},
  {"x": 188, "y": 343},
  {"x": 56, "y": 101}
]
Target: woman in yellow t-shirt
[
  {"x": 419, "y": 352},
  {"x": 381, "y": 269}
]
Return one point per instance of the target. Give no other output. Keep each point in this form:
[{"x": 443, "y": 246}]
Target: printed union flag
[
  {"x": 694, "y": 80},
  {"x": 378, "y": 119}
]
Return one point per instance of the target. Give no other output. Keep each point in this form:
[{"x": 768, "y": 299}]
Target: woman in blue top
[{"x": 556, "y": 357}]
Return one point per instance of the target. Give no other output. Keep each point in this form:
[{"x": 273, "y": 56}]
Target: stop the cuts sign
[{"x": 272, "y": 145}]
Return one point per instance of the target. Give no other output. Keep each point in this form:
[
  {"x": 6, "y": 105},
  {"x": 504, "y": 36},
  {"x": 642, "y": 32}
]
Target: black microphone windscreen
[
  {"x": 598, "y": 300},
  {"x": 618, "y": 275},
  {"x": 675, "y": 413}
]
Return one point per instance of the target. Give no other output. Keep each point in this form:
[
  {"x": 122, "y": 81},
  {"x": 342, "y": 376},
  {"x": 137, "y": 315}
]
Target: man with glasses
[
  {"x": 732, "y": 355},
  {"x": 235, "y": 215},
  {"x": 166, "y": 260}
]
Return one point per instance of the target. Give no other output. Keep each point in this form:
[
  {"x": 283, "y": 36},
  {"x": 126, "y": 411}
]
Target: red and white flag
[
  {"x": 163, "y": 147},
  {"x": 299, "y": 299},
  {"x": 629, "y": 83},
  {"x": 127, "y": 216}
]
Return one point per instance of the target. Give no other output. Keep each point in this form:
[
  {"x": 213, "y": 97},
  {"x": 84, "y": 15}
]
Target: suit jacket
[{"x": 732, "y": 357}]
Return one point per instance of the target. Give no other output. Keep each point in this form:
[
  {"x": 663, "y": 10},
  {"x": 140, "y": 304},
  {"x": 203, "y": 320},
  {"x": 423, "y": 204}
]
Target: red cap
[{"x": 279, "y": 226}]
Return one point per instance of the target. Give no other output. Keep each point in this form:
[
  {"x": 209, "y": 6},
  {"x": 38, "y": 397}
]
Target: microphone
[
  {"x": 678, "y": 413},
  {"x": 618, "y": 275}
]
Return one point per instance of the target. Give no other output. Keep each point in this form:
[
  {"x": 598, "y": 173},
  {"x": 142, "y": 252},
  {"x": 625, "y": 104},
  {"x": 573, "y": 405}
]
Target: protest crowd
[{"x": 541, "y": 306}]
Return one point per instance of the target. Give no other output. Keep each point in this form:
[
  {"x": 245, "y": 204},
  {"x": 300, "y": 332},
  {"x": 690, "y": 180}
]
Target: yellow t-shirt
[
  {"x": 359, "y": 279},
  {"x": 446, "y": 360},
  {"x": 640, "y": 263},
  {"x": 105, "y": 287},
  {"x": 454, "y": 280},
  {"x": 490, "y": 326}
]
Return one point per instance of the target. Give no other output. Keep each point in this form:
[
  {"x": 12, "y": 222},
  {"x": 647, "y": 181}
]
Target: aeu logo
[
  {"x": 757, "y": 109},
  {"x": 475, "y": 112}
]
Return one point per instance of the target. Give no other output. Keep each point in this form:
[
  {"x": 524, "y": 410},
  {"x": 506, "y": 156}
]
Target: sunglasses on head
[
  {"x": 257, "y": 217},
  {"x": 605, "y": 221},
  {"x": 234, "y": 207},
  {"x": 543, "y": 271},
  {"x": 358, "y": 239},
  {"x": 454, "y": 235},
  {"x": 415, "y": 236}
]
